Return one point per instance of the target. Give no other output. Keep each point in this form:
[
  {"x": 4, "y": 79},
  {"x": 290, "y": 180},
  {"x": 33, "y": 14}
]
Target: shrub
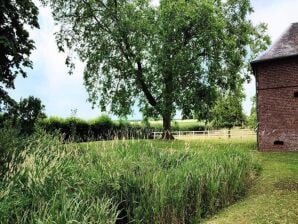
[{"x": 102, "y": 128}]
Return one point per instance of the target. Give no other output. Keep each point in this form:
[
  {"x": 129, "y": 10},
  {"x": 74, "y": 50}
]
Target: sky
[{"x": 62, "y": 93}]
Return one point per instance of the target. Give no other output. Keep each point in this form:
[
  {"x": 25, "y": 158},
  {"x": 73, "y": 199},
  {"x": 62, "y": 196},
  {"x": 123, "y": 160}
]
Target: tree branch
[{"x": 140, "y": 80}]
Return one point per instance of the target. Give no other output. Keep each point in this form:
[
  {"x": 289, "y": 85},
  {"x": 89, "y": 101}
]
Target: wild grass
[{"x": 123, "y": 181}]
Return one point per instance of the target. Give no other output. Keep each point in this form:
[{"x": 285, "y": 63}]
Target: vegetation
[
  {"x": 103, "y": 128},
  {"x": 133, "y": 54},
  {"x": 11, "y": 146},
  {"x": 273, "y": 199},
  {"x": 25, "y": 114},
  {"x": 252, "y": 120},
  {"x": 227, "y": 111},
  {"x": 132, "y": 181},
  {"x": 15, "y": 44}
]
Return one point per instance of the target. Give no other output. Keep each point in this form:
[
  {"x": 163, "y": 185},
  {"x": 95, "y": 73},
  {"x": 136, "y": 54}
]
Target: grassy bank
[
  {"x": 132, "y": 181},
  {"x": 273, "y": 199}
]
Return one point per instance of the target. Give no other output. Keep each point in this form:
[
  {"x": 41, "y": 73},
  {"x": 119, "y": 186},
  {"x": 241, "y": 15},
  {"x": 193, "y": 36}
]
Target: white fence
[{"x": 224, "y": 133}]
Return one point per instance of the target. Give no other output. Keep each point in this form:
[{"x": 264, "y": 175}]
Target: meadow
[{"x": 146, "y": 181}]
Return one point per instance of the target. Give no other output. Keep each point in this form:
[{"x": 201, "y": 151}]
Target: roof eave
[{"x": 252, "y": 63}]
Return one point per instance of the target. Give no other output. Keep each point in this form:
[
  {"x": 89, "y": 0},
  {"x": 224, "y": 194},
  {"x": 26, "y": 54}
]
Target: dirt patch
[{"x": 287, "y": 184}]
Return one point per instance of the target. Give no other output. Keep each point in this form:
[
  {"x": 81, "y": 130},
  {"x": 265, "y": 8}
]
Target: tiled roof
[{"x": 285, "y": 46}]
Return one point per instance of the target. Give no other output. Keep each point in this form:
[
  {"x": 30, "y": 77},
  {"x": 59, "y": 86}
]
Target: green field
[{"x": 145, "y": 181}]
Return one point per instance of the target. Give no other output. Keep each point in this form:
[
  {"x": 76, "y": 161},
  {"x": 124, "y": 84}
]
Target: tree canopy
[
  {"x": 252, "y": 120},
  {"x": 25, "y": 114},
  {"x": 227, "y": 111},
  {"x": 179, "y": 55},
  {"x": 15, "y": 44}
]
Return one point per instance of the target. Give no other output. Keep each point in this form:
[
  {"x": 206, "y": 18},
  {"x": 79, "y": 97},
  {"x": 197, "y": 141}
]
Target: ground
[{"x": 274, "y": 197}]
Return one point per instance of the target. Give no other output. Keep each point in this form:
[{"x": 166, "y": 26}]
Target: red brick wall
[{"x": 277, "y": 107}]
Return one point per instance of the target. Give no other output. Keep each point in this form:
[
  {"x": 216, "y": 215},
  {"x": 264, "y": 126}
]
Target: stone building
[{"x": 276, "y": 72}]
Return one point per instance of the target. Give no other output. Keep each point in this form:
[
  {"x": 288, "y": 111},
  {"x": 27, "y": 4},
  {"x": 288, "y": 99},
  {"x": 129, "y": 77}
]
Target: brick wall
[{"x": 277, "y": 81}]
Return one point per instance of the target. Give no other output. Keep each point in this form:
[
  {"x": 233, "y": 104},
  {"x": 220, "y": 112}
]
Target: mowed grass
[{"x": 274, "y": 197}]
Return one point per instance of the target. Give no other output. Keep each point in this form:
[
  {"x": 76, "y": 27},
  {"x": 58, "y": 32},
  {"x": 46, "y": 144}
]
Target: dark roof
[{"x": 285, "y": 46}]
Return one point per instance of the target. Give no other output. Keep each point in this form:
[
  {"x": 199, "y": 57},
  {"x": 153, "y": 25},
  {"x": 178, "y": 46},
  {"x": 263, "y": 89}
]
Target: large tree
[
  {"x": 175, "y": 56},
  {"x": 15, "y": 44}
]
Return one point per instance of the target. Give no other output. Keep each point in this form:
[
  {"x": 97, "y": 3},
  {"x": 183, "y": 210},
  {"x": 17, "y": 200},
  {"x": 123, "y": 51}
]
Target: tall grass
[{"x": 121, "y": 182}]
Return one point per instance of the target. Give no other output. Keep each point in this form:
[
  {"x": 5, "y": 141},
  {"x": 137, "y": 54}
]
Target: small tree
[
  {"x": 175, "y": 56},
  {"x": 26, "y": 114},
  {"x": 228, "y": 111},
  {"x": 15, "y": 44},
  {"x": 252, "y": 118}
]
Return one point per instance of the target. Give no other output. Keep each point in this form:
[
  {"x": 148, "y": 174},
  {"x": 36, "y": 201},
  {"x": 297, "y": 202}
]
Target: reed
[{"x": 122, "y": 181}]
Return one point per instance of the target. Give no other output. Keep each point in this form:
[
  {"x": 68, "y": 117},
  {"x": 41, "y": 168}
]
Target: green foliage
[
  {"x": 177, "y": 125},
  {"x": 141, "y": 182},
  {"x": 274, "y": 197},
  {"x": 15, "y": 44},
  {"x": 228, "y": 111},
  {"x": 46, "y": 187},
  {"x": 26, "y": 114},
  {"x": 133, "y": 54},
  {"x": 11, "y": 146},
  {"x": 102, "y": 128},
  {"x": 252, "y": 120},
  {"x": 2, "y": 120}
]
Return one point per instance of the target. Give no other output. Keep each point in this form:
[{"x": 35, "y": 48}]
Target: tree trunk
[{"x": 167, "y": 134}]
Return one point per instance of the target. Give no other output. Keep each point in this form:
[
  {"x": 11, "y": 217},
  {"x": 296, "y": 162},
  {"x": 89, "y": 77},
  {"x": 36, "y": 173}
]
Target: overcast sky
[{"x": 61, "y": 93}]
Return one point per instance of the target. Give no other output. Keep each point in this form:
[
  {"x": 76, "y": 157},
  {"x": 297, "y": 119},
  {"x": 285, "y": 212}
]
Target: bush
[
  {"x": 102, "y": 128},
  {"x": 126, "y": 180},
  {"x": 24, "y": 115}
]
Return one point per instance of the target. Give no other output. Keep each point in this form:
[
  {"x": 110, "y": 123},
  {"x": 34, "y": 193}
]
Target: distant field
[{"x": 176, "y": 124}]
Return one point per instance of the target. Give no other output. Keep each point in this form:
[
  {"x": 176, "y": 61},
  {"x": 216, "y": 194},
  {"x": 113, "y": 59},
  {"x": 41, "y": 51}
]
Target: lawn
[{"x": 273, "y": 199}]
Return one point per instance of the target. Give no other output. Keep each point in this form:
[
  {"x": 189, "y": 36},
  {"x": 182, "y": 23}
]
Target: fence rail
[{"x": 240, "y": 133}]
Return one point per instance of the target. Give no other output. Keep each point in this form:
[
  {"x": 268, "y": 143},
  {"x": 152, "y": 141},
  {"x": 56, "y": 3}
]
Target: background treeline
[
  {"x": 101, "y": 128},
  {"x": 28, "y": 115},
  {"x": 104, "y": 128}
]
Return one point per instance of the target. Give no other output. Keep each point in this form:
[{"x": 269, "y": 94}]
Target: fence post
[{"x": 229, "y": 133}]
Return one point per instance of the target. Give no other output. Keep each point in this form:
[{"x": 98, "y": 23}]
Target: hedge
[{"x": 102, "y": 128}]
